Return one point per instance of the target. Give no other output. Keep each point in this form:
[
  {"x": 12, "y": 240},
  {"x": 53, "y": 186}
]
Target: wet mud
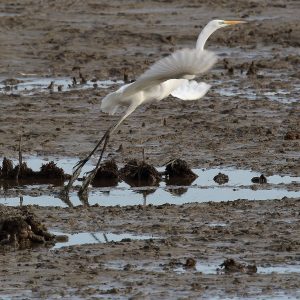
[{"x": 58, "y": 60}]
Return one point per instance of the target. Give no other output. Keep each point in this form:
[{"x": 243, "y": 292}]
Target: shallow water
[
  {"x": 33, "y": 85},
  {"x": 237, "y": 177},
  {"x": 202, "y": 189},
  {"x": 203, "y": 267},
  {"x": 84, "y": 238}
]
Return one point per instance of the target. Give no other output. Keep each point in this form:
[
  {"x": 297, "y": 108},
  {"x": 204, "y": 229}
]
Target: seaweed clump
[{"x": 139, "y": 173}]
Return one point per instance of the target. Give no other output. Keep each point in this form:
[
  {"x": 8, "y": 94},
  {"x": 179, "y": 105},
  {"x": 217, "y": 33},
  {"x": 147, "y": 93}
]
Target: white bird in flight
[{"x": 172, "y": 75}]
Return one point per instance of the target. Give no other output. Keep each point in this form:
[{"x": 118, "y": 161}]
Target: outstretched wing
[
  {"x": 181, "y": 63},
  {"x": 191, "y": 90}
]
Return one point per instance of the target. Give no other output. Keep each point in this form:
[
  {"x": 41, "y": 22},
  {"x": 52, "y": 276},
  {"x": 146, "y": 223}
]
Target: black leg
[
  {"x": 91, "y": 176},
  {"x": 77, "y": 168}
]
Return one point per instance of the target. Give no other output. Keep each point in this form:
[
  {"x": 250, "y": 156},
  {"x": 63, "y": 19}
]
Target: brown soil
[{"x": 117, "y": 40}]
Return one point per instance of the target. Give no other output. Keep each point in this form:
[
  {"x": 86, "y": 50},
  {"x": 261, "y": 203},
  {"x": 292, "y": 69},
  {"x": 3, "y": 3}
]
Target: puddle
[
  {"x": 33, "y": 85},
  {"x": 204, "y": 268},
  {"x": 283, "y": 96},
  {"x": 237, "y": 177},
  {"x": 84, "y": 238},
  {"x": 203, "y": 189},
  {"x": 128, "y": 196},
  {"x": 279, "y": 269},
  {"x": 215, "y": 269}
]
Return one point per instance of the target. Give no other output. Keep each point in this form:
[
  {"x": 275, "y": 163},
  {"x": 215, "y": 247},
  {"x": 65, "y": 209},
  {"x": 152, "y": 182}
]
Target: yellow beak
[{"x": 234, "y": 22}]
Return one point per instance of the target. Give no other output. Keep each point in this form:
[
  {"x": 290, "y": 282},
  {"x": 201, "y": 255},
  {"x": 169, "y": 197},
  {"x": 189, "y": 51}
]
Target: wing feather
[
  {"x": 175, "y": 66},
  {"x": 191, "y": 90}
]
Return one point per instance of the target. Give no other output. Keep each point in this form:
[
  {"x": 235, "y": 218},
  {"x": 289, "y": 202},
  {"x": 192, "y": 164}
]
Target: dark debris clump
[
  {"x": 108, "y": 170},
  {"x": 47, "y": 171},
  {"x": 221, "y": 178},
  {"x": 178, "y": 172},
  {"x": 51, "y": 171},
  {"x": 231, "y": 266},
  {"x": 261, "y": 179},
  {"x": 20, "y": 228},
  {"x": 138, "y": 173}
]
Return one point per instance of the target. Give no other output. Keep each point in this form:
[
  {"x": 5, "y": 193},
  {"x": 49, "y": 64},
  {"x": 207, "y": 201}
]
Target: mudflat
[{"x": 58, "y": 59}]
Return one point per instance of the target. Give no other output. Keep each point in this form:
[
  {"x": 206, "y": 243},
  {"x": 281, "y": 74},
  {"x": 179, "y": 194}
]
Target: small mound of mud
[
  {"x": 138, "y": 173},
  {"x": 178, "y": 172},
  {"x": 221, "y": 178},
  {"x": 51, "y": 171},
  {"x": 107, "y": 175},
  {"x": 20, "y": 228},
  {"x": 261, "y": 179},
  {"x": 231, "y": 266}
]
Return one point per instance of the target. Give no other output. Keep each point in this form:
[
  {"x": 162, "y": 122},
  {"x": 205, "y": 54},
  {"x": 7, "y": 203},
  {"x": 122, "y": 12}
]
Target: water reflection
[
  {"x": 95, "y": 238},
  {"x": 202, "y": 189}
]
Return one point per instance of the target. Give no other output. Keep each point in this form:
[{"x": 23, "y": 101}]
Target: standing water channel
[{"x": 202, "y": 189}]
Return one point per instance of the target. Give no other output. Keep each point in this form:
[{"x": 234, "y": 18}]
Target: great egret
[{"x": 171, "y": 75}]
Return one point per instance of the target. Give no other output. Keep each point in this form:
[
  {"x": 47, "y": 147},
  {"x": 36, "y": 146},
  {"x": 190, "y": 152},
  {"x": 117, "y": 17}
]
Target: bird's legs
[
  {"x": 93, "y": 173},
  {"x": 106, "y": 137},
  {"x": 82, "y": 162}
]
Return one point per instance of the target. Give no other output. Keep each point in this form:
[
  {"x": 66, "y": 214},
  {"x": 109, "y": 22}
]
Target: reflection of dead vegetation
[
  {"x": 21, "y": 229},
  {"x": 139, "y": 173},
  {"x": 231, "y": 266},
  {"x": 176, "y": 191},
  {"x": 49, "y": 172}
]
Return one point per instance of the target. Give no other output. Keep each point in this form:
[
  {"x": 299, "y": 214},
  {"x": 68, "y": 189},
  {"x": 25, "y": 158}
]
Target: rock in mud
[
  {"x": 221, "y": 178},
  {"x": 20, "y": 228},
  {"x": 178, "y": 170},
  {"x": 231, "y": 266},
  {"x": 261, "y": 179},
  {"x": 138, "y": 173}
]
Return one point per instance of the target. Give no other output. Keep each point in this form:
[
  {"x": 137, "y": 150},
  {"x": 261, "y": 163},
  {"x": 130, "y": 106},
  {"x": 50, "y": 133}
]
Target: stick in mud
[{"x": 20, "y": 158}]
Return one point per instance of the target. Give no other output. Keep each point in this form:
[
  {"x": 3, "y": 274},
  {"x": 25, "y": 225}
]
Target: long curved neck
[{"x": 207, "y": 31}]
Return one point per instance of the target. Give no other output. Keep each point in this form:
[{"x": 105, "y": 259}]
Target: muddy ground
[{"x": 249, "y": 119}]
